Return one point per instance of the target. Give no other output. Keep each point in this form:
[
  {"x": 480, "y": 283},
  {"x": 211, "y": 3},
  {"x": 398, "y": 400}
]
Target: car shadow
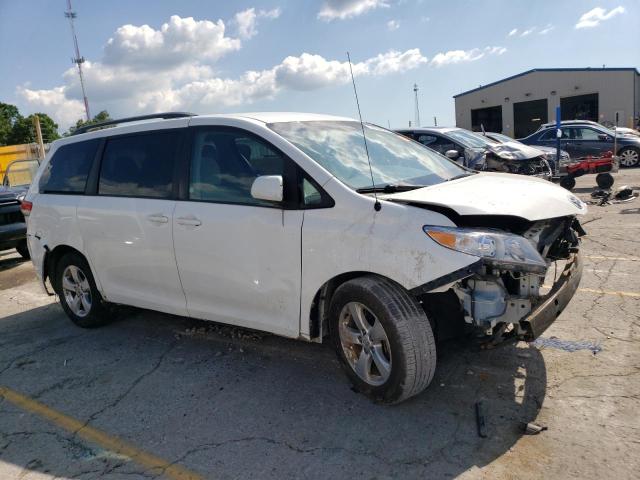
[{"x": 227, "y": 402}]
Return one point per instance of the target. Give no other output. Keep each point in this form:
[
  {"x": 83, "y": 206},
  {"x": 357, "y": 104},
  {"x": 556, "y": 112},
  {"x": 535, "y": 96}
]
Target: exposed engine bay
[
  {"x": 499, "y": 299},
  {"x": 537, "y": 166}
]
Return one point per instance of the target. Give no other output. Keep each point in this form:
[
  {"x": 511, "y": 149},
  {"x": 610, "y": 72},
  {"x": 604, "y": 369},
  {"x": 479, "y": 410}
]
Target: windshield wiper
[
  {"x": 462, "y": 175},
  {"x": 389, "y": 188}
]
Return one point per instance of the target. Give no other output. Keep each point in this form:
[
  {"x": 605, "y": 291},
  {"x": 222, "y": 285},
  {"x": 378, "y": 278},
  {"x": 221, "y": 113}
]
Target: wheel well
[
  {"x": 318, "y": 316},
  {"x": 51, "y": 259},
  {"x": 625, "y": 147}
]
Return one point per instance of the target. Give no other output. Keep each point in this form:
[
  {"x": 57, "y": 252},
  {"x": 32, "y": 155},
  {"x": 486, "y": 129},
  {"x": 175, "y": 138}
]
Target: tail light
[{"x": 25, "y": 207}]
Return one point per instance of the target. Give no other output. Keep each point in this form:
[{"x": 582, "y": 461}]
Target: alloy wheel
[
  {"x": 629, "y": 157},
  {"x": 76, "y": 290},
  {"x": 365, "y": 343}
]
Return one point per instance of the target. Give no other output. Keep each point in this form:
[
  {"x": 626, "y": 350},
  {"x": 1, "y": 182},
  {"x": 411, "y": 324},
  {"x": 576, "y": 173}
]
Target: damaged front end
[
  {"x": 522, "y": 281},
  {"x": 508, "y": 162}
]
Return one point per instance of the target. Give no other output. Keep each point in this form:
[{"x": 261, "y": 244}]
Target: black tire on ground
[
  {"x": 410, "y": 338},
  {"x": 97, "y": 314},
  {"x": 629, "y": 157},
  {"x": 568, "y": 182},
  {"x": 604, "y": 180},
  {"x": 23, "y": 250}
]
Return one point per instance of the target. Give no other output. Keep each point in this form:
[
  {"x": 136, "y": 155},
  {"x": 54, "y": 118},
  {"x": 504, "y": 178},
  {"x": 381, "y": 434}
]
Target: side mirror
[
  {"x": 452, "y": 154},
  {"x": 267, "y": 187},
  {"x": 603, "y": 137}
]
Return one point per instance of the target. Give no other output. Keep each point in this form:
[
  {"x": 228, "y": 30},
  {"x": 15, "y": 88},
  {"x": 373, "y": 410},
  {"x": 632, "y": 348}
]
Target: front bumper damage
[{"x": 509, "y": 303}]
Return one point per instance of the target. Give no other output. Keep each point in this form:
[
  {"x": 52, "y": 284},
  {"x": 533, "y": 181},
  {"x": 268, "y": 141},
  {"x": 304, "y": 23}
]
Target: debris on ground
[
  {"x": 622, "y": 194},
  {"x": 532, "y": 428},
  {"x": 481, "y": 419},
  {"x": 567, "y": 345},
  {"x": 225, "y": 331}
]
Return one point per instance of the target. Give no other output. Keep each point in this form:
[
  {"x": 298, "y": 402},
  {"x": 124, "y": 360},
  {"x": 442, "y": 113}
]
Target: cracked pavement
[{"x": 229, "y": 404}]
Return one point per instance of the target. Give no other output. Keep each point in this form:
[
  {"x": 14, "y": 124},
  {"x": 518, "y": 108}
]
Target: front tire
[
  {"x": 383, "y": 339},
  {"x": 79, "y": 296},
  {"x": 629, "y": 157}
]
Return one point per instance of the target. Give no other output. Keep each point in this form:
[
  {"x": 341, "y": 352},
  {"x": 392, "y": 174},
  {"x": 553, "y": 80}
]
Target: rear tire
[
  {"x": 383, "y": 339},
  {"x": 629, "y": 157},
  {"x": 604, "y": 180},
  {"x": 79, "y": 296},
  {"x": 23, "y": 250}
]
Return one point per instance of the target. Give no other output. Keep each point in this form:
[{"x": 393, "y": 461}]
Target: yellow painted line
[
  {"x": 602, "y": 257},
  {"x": 610, "y": 292},
  {"x": 106, "y": 441},
  {"x": 603, "y": 292}
]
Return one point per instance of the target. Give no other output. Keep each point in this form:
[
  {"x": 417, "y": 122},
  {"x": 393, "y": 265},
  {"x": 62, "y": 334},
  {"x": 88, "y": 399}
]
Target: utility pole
[
  {"x": 36, "y": 126},
  {"x": 78, "y": 59},
  {"x": 417, "y": 109}
]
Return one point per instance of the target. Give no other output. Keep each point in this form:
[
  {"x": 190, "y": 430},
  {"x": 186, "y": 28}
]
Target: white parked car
[{"x": 270, "y": 221}]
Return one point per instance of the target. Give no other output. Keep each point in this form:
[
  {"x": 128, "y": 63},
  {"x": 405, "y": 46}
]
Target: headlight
[
  {"x": 501, "y": 250},
  {"x": 507, "y": 155}
]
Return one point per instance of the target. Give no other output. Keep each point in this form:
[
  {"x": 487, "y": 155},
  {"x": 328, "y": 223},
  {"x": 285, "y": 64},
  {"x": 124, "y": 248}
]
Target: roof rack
[{"x": 164, "y": 115}]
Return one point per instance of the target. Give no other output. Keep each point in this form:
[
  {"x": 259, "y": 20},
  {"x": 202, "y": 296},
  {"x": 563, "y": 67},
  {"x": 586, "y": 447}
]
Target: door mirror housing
[
  {"x": 603, "y": 137},
  {"x": 268, "y": 187},
  {"x": 452, "y": 154}
]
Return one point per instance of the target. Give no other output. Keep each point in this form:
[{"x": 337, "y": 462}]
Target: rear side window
[
  {"x": 139, "y": 165},
  {"x": 68, "y": 169}
]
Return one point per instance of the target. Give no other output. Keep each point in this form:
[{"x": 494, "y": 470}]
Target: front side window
[
  {"x": 589, "y": 134},
  {"x": 224, "y": 164},
  {"x": 68, "y": 169},
  {"x": 338, "y": 146},
  {"x": 139, "y": 165}
]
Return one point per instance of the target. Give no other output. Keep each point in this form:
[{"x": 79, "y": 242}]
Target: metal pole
[
  {"x": 36, "y": 125},
  {"x": 78, "y": 60},
  {"x": 558, "y": 136}
]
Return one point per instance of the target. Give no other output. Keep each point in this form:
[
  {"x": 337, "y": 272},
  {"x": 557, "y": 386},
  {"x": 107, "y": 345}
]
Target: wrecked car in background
[
  {"x": 474, "y": 151},
  {"x": 558, "y": 166},
  {"x": 286, "y": 223}
]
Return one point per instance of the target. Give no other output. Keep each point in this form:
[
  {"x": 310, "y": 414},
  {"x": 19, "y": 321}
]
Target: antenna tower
[
  {"x": 78, "y": 59},
  {"x": 417, "y": 109}
]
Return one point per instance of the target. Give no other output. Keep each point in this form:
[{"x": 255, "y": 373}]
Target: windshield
[
  {"x": 468, "y": 139},
  {"x": 395, "y": 160},
  {"x": 502, "y": 138}
]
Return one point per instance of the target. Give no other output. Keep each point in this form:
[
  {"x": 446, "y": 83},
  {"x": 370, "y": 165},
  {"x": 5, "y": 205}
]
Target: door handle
[
  {"x": 158, "y": 218},
  {"x": 189, "y": 221}
]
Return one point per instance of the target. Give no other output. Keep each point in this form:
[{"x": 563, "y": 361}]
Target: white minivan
[{"x": 279, "y": 222}]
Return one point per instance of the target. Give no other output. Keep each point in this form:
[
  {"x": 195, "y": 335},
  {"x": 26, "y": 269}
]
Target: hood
[
  {"x": 515, "y": 151},
  {"x": 497, "y": 194},
  {"x": 11, "y": 193}
]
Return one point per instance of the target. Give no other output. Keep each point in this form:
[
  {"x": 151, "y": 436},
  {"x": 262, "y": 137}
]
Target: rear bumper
[
  {"x": 555, "y": 301},
  {"x": 12, "y": 234}
]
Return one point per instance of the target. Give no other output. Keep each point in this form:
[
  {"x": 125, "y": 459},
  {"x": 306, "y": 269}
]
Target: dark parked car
[
  {"x": 475, "y": 151},
  {"x": 14, "y": 186},
  {"x": 588, "y": 139}
]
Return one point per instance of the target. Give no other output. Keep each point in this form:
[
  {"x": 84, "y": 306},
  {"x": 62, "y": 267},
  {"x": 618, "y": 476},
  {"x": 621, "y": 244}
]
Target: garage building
[{"x": 517, "y": 105}]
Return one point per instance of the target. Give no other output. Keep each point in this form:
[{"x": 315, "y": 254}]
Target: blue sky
[{"x": 145, "y": 56}]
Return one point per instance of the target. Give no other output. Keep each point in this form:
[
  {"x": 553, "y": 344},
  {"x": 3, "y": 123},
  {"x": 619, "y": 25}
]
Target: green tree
[
  {"x": 102, "y": 116},
  {"x": 9, "y": 114},
  {"x": 23, "y": 130}
]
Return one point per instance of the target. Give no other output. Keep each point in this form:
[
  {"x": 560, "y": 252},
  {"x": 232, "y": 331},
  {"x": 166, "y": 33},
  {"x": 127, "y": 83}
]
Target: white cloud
[
  {"x": 512, "y": 32},
  {"x": 592, "y": 18},
  {"x": 343, "y": 9},
  {"x": 528, "y": 32},
  {"x": 393, "y": 25},
  {"x": 179, "y": 41},
  {"x": 461, "y": 56},
  {"x": 122, "y": 85},
  {"x": 54, "y": 102},
  {"x": 246, "y": 21},
  {"x": 270, "y": 14},
  {"x": 546, "y": 29}
]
